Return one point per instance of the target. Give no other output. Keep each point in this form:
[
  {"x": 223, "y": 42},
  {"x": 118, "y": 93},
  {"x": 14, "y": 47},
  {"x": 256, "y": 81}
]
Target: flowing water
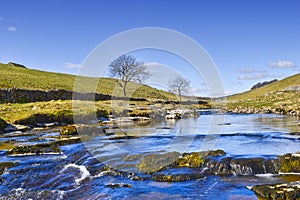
[{"x": 80, "y": 173}]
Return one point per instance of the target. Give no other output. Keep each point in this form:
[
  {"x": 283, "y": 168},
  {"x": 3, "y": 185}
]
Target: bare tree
[
  {"x": 126, "y": 68},
  {"x": 179, "y": 85}
]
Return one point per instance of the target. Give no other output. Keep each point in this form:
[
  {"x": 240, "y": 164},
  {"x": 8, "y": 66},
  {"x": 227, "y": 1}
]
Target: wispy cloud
[
  {"x": 12, "y": 28},
  {"x": 72, "y": 65},
  {"x": 152, "y": 64},
  {"x": 259, "y": 75},
  {"x": 245, "y": 71},
  {"x": 282, "y": 64}
]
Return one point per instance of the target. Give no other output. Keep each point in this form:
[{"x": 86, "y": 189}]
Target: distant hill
[
  {"x": 14, "y": 75},
  {"x": 261, "y": 84},
  {"x": 281, "y": 97},
  {"x": 278, "y": 86}
]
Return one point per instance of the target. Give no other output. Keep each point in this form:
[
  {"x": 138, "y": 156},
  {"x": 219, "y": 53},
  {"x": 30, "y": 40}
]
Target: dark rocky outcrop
[
  {"x": 261, "y": 84},
  {"x": 16, "y": 65}
]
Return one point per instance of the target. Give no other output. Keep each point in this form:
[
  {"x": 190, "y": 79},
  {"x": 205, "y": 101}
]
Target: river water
[{"x": 79, "y": 172}]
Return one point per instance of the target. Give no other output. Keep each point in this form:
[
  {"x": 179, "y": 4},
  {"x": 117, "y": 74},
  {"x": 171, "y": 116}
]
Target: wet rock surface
[
  {"x": 176, "y": 177},
  {"x": 38, "y": 149},
  {"x": 283, "y": 191}
]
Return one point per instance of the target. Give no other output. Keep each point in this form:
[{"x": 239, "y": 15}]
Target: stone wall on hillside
[{"x": 25, "y": 96}]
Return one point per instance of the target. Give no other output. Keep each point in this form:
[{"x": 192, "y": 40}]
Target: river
[{"x": 80, "y": 172}]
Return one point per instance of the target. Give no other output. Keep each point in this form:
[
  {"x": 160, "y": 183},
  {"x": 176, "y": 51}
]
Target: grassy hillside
[
  {"x": 279, "y": 97},
  {"x": 40, "y": 80}
]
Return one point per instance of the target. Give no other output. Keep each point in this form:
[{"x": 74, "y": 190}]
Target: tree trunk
[
  {"x": 179, "y": 92},
  {"x": 124, "y": 89}
]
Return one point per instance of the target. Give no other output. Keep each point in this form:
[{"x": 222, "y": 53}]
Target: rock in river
[
  {"x": 68, "y": 130},
  {"x": 284, "y": 191},
  {"x": 38, "y": 149},
  {"x": 176, "y": 177}
]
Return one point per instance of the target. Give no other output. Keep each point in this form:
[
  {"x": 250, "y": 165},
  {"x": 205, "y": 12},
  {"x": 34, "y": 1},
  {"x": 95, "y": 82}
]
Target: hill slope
[
  {"x": 23, "y": 78},
  {"x": 281, "y": 97}
]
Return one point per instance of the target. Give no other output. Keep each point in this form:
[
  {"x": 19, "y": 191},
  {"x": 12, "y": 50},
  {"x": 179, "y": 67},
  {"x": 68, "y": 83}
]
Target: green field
[{"x": 23, "y": 78}]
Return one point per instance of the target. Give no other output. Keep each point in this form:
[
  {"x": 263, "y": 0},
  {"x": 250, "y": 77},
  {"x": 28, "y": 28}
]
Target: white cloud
[
  {"x": 282, "y": 64},
  {"x": 259, "y": 75},
  {"x": 72, "y": 65},
  {"x": 12, "y": 29},
  {"x": 245, "y": 71}
]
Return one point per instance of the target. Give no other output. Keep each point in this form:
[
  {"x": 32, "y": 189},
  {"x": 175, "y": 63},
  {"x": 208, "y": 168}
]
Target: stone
[
  {"x": 118, "y": 185},
  {"x": 156, "y": 162},
  {"x": 283, "y": 191},
  {"x": 176, "y": 177},
  {"x": 290, "y": 163},
  {"x": 68, "y": 130},
  {"x": 38, "y": 149}
]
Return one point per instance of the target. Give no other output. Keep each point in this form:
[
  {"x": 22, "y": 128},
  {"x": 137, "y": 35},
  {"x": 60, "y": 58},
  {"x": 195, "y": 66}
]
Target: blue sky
[{"x": 250, "y": 41}]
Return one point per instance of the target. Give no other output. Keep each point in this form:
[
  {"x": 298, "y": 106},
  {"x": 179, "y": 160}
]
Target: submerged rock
[
  {"x": 38, "y": 149},
  {"x": 176, "y": 177},
  {"x": 283, "y": 191},
  {"x": 6, "y": 165},
  {"x": 118, "y": 185}
]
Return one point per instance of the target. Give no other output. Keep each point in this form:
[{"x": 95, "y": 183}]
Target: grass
[
  {"x": 270, "y": 89},
  {"x": 63, "y": 111},
  {"x": 277, "y": 97},
  {"x": 17, "y": 77}
]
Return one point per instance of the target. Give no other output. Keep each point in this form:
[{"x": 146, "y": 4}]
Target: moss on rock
[
  {"x": 157, "y": 162},
  {"x": 290, "y": 163},
  {"x": 38, "y": 149}
]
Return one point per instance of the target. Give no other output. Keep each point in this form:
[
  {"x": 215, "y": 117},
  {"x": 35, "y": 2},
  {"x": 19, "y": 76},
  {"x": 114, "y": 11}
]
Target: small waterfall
[{"x": 242, "y": 166}]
